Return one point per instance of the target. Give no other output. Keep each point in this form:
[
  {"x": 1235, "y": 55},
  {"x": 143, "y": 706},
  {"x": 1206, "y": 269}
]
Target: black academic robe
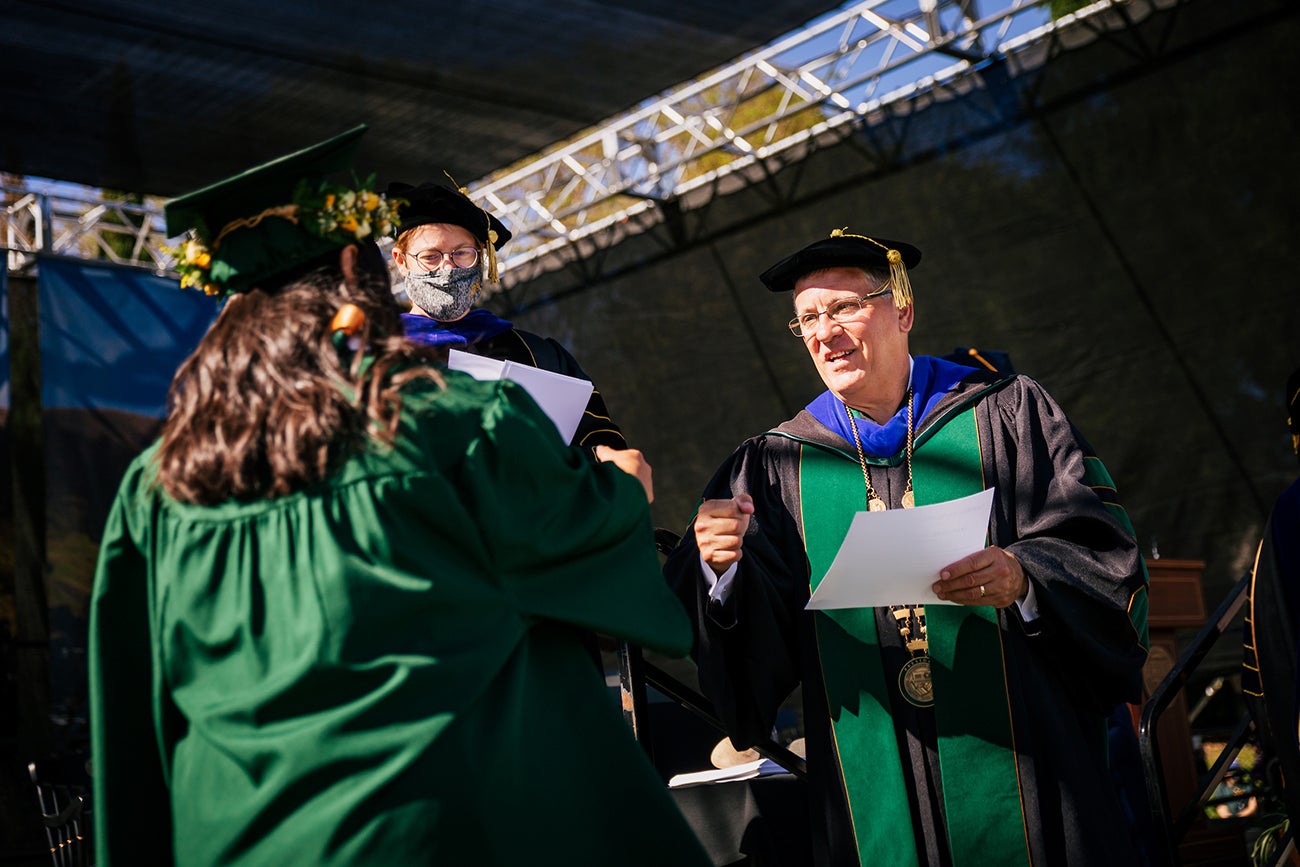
[
  {"x": 1271, "y": 679},
  {"x": 1065, "y": 671}
]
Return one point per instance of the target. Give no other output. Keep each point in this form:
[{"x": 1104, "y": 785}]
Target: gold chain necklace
[
  {"x": 914, "y": 678},
  {"x": 874, "y": 501}
]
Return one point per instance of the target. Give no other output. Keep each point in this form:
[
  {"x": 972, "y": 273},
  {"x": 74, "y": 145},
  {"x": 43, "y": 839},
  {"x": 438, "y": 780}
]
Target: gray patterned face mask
[{"x": 444, "y": 295}]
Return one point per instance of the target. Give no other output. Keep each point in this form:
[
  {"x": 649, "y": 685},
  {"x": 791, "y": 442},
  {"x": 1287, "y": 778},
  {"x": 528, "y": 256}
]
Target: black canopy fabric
[
  {"x": 1120, "y": 222},
  {"x": 160, "y": 98}
]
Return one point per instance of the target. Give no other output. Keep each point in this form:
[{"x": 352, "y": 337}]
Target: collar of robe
[
  {"x": 478, "y": 324},
  {"x": 932, "y": 378}
]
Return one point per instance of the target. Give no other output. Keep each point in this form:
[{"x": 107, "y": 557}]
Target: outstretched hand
[
  {"x": 720, "y": 527},
  {"x": 632, "y": 462},
  {"x": 992, "y": 576}
]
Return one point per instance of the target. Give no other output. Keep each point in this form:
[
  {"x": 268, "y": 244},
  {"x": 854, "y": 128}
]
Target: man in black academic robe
[
  {"x": 1271, "y": 674},
  {"x": 970, "y": 733}
]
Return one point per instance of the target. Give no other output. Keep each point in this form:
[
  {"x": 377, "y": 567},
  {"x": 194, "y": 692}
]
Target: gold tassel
[
  {"x": 492, "y": 256},
  {"x": 897, "y": 269},
  {"x": 975, "y": 354},
  {"x": 491, "y": 251},
  {"x": 898, "y": 274}
]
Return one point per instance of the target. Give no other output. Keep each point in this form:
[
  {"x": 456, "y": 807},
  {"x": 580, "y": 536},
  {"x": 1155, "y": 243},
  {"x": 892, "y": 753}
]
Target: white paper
[
  {"x": 747, "y": 771},
  {"x": 892, "y": 557},
  {"x": 563, "y": 398}
]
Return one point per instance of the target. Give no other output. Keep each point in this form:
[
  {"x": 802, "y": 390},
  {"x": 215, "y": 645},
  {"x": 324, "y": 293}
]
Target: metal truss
[
  {"x": 81, "y": 223},
  {"x": 845, "y": 67},
  {"x": 982, "y": 100},
  {"x": 848, "y": 67}
]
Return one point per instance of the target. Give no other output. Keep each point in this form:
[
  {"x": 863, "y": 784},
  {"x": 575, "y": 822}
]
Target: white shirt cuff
[
  {"x": 1029, "y": 605},
  {"x": 719, "y": 585}
]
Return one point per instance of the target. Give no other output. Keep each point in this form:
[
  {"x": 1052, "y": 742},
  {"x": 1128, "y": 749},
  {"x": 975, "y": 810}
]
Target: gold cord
[
  {"x": 874, "y": 502},
  {"x": 288, "y": 212},
  {"x": 490, "y": 253},
  {"x": 918, "y": 645},
  {"x": 897, "y": 268}
]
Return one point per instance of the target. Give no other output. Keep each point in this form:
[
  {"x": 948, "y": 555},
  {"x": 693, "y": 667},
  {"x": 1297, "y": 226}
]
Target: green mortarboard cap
[{"x": 236, "y": 219}]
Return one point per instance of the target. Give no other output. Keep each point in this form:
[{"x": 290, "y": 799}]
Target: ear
[
  {"x": 905, "y": 318},
  {"x": 399, "y": 259},
  {"x": 348, "y": 258}
]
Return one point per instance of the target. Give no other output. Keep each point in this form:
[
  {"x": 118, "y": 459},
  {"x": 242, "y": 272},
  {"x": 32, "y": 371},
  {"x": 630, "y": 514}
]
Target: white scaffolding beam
[{"x": 846, "y": 66}]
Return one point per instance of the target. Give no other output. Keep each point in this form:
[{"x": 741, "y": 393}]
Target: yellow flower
[
  {"x": 369, "y": 201},
  {"x": 329, "y": 201},
  {"x": 348, "y": 223},
  {"x": 204, "y": 260}
]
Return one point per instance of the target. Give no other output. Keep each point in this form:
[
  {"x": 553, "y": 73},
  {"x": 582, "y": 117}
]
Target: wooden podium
[{"x": 1176, "y": 603}]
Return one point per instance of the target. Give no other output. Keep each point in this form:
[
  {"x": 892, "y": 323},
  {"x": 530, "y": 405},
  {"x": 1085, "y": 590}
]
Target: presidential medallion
[
  {"x": 875, "y": 504},
  {"x": 914, "y": 682}
]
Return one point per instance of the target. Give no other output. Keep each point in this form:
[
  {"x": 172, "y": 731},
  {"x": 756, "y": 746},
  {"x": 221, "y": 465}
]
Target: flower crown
[{"x": 329, "y": 211}]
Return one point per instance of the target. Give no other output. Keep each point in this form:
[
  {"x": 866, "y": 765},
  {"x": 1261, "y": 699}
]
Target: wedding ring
[{"x": 982, "y": 593}]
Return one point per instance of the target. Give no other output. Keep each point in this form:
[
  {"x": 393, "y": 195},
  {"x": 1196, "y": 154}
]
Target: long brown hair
[{"x": 269, "y": 404}]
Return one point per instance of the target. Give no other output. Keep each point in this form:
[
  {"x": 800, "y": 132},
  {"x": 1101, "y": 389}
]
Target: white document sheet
[
  {"x": 563, "y": 398},
  {"x": 747, "y": 771},
  {"x": 892, "y": 557}
]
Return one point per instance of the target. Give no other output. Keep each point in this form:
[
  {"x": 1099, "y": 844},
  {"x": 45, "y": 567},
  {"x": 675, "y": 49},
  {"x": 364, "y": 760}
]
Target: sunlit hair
[
  {"x": 876, "y": 276},
  {"x": 268, "y": 404},
  {"x": 403, "y": 242}
]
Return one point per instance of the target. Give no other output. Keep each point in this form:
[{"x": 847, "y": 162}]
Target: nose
[{"x": 824, "y": 321}]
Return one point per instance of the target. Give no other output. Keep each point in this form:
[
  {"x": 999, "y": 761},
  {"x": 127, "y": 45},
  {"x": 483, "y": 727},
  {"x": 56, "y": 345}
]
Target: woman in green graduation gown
[{"x": 333, "y": 616}]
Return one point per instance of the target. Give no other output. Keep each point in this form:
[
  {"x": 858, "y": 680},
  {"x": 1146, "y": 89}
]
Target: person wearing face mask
[{"x": 446, "y": 254}]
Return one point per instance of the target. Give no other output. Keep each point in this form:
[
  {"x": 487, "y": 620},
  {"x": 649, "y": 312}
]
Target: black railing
[
  {"x": 636, "y": 674},
  {"x": 1171, "y": 830}
]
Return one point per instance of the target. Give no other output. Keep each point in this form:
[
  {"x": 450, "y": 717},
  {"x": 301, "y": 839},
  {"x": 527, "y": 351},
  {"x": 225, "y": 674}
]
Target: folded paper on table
[
  {"x": 892, "y": 557},
  {"x": 563, "y": 398}
]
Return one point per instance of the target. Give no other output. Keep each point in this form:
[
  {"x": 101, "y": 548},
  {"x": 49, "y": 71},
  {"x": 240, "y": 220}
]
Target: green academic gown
[
  {"x": 1008, "y": 766},
  {"x": 383, "y": 668}
]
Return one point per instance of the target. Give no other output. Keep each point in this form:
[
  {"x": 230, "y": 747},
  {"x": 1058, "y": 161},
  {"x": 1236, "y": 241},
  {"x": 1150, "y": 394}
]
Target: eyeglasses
[
  {"x": 839, "y": 311},
  {"x": 461, "y": 257}
]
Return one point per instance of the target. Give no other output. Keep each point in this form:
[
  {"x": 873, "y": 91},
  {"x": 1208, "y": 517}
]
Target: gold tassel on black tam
[
  {"x": 897, "y": 269},
  {"x": 489, "y": 254}
]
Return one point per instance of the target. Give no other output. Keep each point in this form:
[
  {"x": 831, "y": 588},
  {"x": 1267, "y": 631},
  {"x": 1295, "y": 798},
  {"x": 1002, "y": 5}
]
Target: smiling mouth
[{"x": 836, "y": 356}]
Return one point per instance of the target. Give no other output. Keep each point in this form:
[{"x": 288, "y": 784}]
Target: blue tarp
[{"x": 111, "y": 337}]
